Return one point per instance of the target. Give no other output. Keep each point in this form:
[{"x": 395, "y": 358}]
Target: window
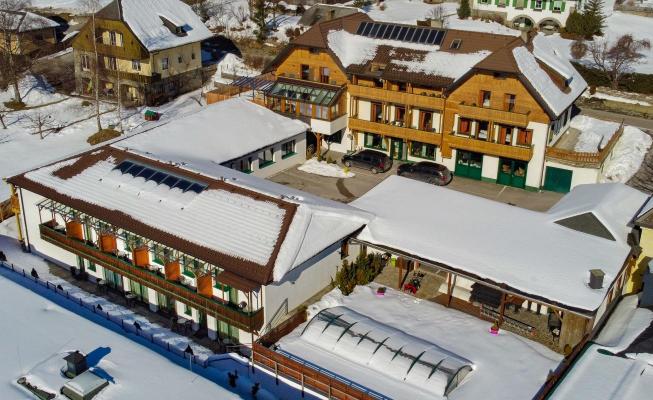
[
  {"x": 192, "y": 56},
  {"x": 378, "y": 83},
  {"x": 325, "y": 74},
  {"x": 426, "y": 121},
  {"x": 502, "y": 3},
  {"x": 187, "y": 310},
  {"x": 520, "y": 3},
  {"x": 484, "y": 98},
  {"x": 111, "y": 63},
  {"x": 180, "y": 59},
  {"x": 401, "y": 86},
  {"x": 164, "y": 63},
  {"x": 484, "y": 1},
  {"x": 505, "y": 134},
  {"x": 557, "y": 6},
  {"x": 538, "y": 4},
  {"x": 112, "y": 38},
  {"x": 136, "y": 65},
  {"x": 246, "y": 165},
  {"x": 464, "y": 126},
  {"x": 524, "y": 137},
  {"x": 314, "y": 50},
  {"x": 266, "y": 157},
  {"x": 509, "y": 102},
  {"x": 455, "y": 44},
  {"x": 85, "y": 62},
  {"x": 305, "y": 72},
  {"x": 422, "y": 150},
  {"x": 288, "y": 149},
  {"x": 374, "y": 141},
  {"x": 400, "y": 115},
  {"x": 482, "y": 129},
  {"x": 377, "y": 112}
]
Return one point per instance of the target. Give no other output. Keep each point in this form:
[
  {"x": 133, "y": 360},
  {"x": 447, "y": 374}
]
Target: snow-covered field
[
  {"x": 619, "y": 99},
  {"x": 313, "y": 166},
  {"x": 22, "y": 150},
  {"x": 505, "y": 366},
  {"x": 72, "y": 6}
]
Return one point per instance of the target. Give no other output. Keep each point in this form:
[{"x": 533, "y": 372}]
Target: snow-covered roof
[
  {"x": 536, "y": 253},
  {"x": 84, "y": 383},
  {"x": 557, "y": 99},
  {"x": 146, "y": 20},
  {"x": 25, "y": 21},
  {"x": 594, "y": 133},
  {"x": 248, "y": 226},
  {"x": 609, "y": 368},
  {"x": 219, "y": 132}
]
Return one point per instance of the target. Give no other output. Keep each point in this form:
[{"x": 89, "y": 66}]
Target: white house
[{"x": 547, "y": 15}]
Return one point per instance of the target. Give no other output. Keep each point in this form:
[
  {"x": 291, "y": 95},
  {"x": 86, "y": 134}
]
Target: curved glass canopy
[{"x": 387, "y": 350}]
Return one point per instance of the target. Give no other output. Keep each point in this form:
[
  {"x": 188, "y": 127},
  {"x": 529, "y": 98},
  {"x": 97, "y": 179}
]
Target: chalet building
[
  {"x": 150, "y": 48},
  {"x": 546, "y": 15},
  {"x": 486, "y": 106},
  {"x": 165, "y": 224},
  {"x": 549, "y": 276},
  {"x": 235, "y": 133},
  {"x": 29, "y": 33}
]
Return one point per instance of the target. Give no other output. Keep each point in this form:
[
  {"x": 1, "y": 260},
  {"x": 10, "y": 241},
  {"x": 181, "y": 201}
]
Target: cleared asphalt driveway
[{"x": 348, "y": 189}]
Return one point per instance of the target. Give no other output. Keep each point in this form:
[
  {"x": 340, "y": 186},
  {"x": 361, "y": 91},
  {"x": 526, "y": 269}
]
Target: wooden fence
[{"x": 593, "y": 160}]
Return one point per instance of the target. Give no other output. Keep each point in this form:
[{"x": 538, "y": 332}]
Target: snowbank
[
  {"x": 605, "y": 96},
  {"x": 323, "y": 168},
  {"x": 627, "y": 156},
  {"x": 595, "y": 133},
  {"x": 233, "y": 65}
]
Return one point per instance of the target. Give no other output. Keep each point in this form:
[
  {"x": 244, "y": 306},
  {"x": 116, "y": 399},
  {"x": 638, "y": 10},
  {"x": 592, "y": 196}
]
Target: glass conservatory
[{"x": 387, "y": 350}]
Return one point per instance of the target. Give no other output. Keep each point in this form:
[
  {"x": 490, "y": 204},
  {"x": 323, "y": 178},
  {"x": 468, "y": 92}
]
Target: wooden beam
[{"x": 502, "y": 308}]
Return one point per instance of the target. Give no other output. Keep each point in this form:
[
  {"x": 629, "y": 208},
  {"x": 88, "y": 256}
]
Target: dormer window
[
  {"x": 455, "y": 44},
  {"x": 175, "y": 28}
]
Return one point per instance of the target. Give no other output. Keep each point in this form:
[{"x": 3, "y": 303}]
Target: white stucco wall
[
  {"x": 280, "y": 163},
  {"x": 580, "y": 176}
]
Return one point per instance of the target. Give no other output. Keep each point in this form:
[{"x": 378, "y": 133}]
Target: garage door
[
  {"x": 469, "y": 164},
  {"x": 557, "y": 179}
]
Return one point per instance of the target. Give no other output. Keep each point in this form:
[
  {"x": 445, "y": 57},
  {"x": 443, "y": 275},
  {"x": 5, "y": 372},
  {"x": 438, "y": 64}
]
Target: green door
[
  {"x": 512, "y": 173},
  {"x": 397, "y": 149},
  {"x": 469, "y": 164},
  {"x": 557, "y": 179}
]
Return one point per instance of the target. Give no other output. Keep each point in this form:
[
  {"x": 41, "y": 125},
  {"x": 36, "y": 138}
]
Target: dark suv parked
[
  {"x": 428, "y": 172},
  {"x": 374, "y": 161}
]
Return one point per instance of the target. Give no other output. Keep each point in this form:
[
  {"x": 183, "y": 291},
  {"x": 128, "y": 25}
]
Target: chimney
[
  {"x": 524, "y": 36},
  {"x": 596, "y": 278}
]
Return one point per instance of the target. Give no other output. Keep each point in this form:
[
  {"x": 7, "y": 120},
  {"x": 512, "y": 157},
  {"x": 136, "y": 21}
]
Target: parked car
[
  {"x": 428, "y": 172},
  {"x": 374, "y": 161}
]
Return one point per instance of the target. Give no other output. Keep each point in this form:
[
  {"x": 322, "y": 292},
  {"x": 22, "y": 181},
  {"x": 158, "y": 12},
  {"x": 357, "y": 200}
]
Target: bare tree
[
  {"x": 437, "y": 14},
  {"x": 207, "y": 9},
  {"x": 40, "y": 123},
  {"x": 619, "y": 58},
  {"x": 3, "y": 114},
  {"x": 240, "y": 13},
  {"x": 10, "y": 19},
  {"x": 92, "y": 7}
]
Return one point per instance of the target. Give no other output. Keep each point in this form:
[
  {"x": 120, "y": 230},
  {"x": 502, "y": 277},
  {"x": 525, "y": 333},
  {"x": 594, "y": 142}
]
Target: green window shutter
[
  {"x": 562, "y": 6},
  {"x": 533, "y": 4}
]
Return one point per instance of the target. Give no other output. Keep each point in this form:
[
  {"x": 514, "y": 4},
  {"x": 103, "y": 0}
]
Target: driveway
[{"x": 348, "y": 189}]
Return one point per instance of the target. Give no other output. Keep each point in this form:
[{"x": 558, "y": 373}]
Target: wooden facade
[{"x": 315, "y": 60}]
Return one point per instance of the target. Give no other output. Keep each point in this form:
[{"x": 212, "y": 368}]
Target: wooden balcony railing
[
  {"x": 583, "y": 159},
  {"x": 490, "y": 114},
  {"x": 128, "y": 76},
  {"x": 490, "y": 148},
  {"x": 391, "y": 96},
  {"x": 249, "y": 321},
  {"x": 395, "y": 131}
]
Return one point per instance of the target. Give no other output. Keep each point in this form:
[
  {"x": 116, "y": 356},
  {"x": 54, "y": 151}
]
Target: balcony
[
  {"x": 128, "y": 76},
  {"x": 395, "y": 131},
  {"x": 490, "y": 148},
  {"x": 249, "y": 321},
  {"x": 391, "y": 96},
  {"x": 490, "y": 114}
]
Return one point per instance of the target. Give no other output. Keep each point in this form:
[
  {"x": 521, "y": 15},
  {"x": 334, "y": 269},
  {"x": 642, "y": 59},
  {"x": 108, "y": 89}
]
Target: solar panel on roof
[
  {"x": 135, "y": 169},
  {"x": 409, "y": 34},
  {"x": 197, "y": 188},
  {"x": 388, "y": 32},
  {"x": 124, "y": 166},
  {"x": 424, "y": 36},
  {"x": 182, "y": 184},
  {"x": 361, "y": 27},
  {"x": 170, "y": 181},
  {"x": 439, "y": 37},
  {"x": 367, "y": 29},
  {"x": 146, "y": 173},
  {"x": 381, "y": 31},
  {"x": 431, "y": 37},
  {"x": 375, "y": 28},
  {"x": 402, "y": 33},
  {"x": 395, "y": 32},
  {"x": 158, "y": 177}
]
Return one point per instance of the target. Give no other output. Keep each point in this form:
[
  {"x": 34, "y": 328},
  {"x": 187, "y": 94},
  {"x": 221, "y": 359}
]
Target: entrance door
[
  {"x": 557, "y": 179},
  {"x": 512, "y": 173},
  {"x": 397, "y": 149},
  {"x": 469, "y": 164}
]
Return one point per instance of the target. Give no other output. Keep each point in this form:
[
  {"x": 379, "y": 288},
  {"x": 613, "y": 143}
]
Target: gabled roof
[
  {"x": 22, "y": 21},
  {"x": 504, "y": 245},
  {"x": 645, "y": 217},
  {"x": 158, "y": 24}
]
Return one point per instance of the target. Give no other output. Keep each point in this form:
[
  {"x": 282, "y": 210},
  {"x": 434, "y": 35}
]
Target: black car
[
  {"x": 375, "y": 161},
  {"x": 428, "y": 172}
]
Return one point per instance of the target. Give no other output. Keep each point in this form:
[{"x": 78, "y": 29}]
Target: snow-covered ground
[
  {"x": 313, "y": 166},
  {"x": 619, "y": 99},
  {"x": 72, "y": 6},
  {"x": 617, "y": 24},
  {"x": 231, "y": 65},
  {"x": 21, "y": 150},
  {"x": 599, "y": 374},
  {"x": 505, "y": 366},
  {"x": 627, "y": 156}
]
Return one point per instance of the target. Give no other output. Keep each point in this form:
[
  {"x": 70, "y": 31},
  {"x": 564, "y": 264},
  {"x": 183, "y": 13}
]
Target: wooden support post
[
  {"x": 502, "y": 308},
  {"x": 400, "y": 268}
]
